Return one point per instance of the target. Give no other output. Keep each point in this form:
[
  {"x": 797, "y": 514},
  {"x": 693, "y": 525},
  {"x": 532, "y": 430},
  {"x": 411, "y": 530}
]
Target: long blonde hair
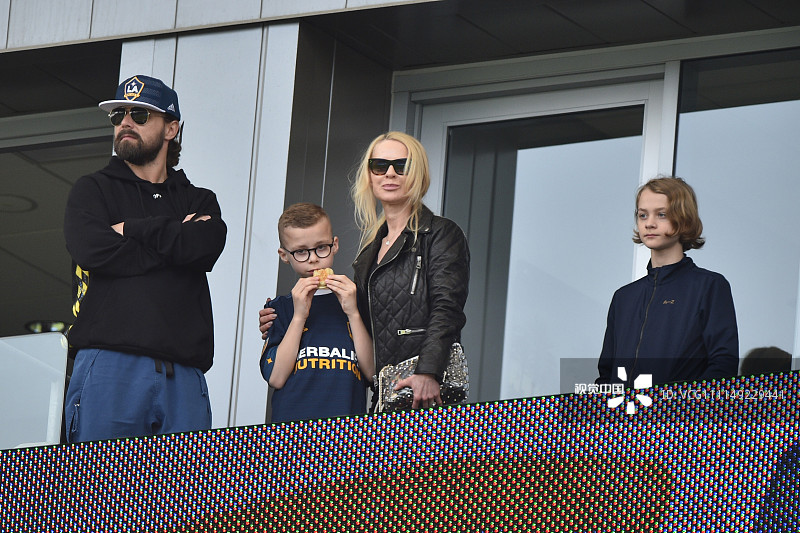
[{"x": 418, "y": 179}]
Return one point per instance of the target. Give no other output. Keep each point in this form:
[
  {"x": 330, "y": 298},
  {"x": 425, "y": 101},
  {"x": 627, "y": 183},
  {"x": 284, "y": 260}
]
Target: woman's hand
[
  {"x": 265, "y": 318},
  {"x": 427, "y": 392}
]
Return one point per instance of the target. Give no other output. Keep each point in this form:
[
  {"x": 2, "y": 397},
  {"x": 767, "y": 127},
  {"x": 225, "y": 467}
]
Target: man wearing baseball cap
[{"x": 142, "y": 239}]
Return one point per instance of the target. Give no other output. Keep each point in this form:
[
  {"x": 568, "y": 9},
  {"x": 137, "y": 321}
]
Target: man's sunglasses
[
  {"x": 379, "y": 167},
  {"x": 139, "y": 115}
]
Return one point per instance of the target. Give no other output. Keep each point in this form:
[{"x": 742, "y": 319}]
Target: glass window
[
  {"x": 738, "y": 147},
  {"x": 32, "y": 372},
  {"x": 547, "y": 203}
]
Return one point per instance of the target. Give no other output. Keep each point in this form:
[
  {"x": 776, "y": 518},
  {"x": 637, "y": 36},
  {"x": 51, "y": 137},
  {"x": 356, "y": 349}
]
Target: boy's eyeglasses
[
  {"x": 139, "y": 115},
  {"x": 304, "y": 254},
  {"x": 379, "y": 167}
]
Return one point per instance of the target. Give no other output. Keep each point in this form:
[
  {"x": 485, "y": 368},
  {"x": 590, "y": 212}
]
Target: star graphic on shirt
[{"x": 269, "y": 361}]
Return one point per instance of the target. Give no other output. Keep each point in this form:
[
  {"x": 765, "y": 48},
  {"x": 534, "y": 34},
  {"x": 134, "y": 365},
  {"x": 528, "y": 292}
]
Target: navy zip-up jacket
[{"x": 677, "y": 323}]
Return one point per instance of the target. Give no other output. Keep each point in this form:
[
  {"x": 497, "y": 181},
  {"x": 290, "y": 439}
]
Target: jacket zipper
[
  {"x": 416, "y": 274},
  {"x": 410, "y": 331},
  {"x": 644, "y": 323},
  {"x": 371, "y": 319}
]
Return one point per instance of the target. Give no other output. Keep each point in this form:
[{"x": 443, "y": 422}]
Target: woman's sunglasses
[
  {"x": 139, "y": 115},
  {"x": 379, "y": 167}
]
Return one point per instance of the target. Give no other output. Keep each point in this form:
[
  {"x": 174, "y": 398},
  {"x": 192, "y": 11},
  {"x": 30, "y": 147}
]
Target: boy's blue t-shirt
[{"x": 326, "y": 381}]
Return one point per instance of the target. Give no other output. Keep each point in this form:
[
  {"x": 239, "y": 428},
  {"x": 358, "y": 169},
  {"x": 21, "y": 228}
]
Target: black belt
[{"x": 167, "y": 364}]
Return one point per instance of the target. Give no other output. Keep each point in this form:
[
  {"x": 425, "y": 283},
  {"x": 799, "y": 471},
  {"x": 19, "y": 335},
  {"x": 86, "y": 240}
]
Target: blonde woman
[{"x": 412, "y": 271}]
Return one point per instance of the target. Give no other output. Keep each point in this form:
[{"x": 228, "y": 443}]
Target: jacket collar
[
  {"x": 667, "y": 272},
  {"x": 368, "y": 254},
  {"x": 425, "y": 220}
]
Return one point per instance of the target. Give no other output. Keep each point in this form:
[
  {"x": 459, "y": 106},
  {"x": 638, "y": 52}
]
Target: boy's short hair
[
  {"x": 681, "y": 210},
  {"x": 301, "y": 215}
]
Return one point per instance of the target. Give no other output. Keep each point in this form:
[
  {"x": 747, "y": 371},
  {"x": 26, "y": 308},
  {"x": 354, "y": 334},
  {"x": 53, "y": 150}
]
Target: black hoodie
[{"x": 145, "y": 292}]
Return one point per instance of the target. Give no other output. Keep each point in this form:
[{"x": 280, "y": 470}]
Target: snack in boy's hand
[{"x": 323, "y": 274}]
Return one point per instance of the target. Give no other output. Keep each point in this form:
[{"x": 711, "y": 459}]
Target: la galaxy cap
[{"x": 147, "y": 92}]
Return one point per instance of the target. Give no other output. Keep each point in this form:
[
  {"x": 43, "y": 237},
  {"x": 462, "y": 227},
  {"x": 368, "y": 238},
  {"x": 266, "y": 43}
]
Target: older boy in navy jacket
[{"x": 677, "y": 323}]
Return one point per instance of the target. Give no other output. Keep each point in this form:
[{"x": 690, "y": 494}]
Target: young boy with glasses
[{"x": 318, "y": 355}]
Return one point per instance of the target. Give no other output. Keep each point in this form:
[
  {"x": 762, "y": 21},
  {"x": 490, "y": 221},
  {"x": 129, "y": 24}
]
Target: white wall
[{"x": 230, "y": 84}]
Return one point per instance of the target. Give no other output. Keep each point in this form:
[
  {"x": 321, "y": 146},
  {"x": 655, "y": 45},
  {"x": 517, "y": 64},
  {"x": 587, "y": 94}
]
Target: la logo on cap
[{"x": 133, "y": 89}]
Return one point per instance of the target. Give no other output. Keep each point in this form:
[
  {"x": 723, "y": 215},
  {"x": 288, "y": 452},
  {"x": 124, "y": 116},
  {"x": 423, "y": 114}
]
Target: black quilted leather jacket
[{"x": 413, "y": 302}]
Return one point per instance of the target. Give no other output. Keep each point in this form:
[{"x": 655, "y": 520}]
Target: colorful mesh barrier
[{"x": 713, "y": 456}]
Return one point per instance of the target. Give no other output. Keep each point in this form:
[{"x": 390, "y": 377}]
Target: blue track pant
[{"x": 113, "y": 395}]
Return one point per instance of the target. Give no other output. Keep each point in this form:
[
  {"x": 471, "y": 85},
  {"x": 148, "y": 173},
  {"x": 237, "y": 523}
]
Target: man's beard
[{"x": 135, "y": 151}]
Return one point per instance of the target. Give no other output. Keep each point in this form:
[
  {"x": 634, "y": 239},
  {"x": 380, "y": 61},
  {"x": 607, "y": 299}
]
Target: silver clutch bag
[{"x": 454, "y": 386}]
